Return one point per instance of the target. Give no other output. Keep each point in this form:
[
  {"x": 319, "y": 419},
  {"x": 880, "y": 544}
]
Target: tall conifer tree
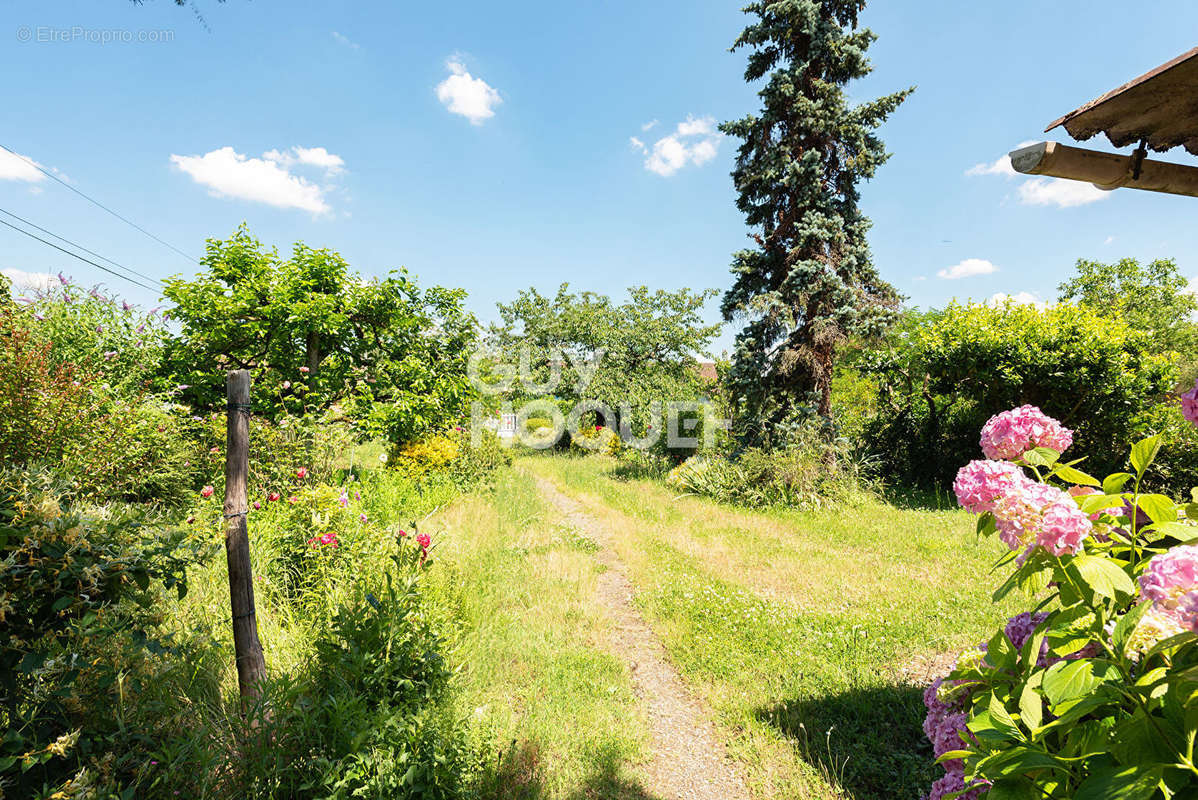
[{"x": 809, "y": 283}]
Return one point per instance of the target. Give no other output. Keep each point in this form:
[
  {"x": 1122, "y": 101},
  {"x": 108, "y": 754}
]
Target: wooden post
[
  {"x": 1105, "y": 170},
  {"x": 251, "y": 665}
]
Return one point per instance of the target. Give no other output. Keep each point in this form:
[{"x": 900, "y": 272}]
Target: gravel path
[{"x": 689, "y": 762}]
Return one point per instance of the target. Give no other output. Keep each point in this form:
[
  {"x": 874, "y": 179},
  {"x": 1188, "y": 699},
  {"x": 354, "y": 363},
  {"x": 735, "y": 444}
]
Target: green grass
[
  {"x": 555, "y": 708},
  {"x": 809, "y": 634}
]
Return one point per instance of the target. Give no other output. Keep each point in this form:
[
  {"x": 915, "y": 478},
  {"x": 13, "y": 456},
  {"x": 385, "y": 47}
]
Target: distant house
[
  {"x": 707, "y": 371},
  {"x": 504, "y": 425}
]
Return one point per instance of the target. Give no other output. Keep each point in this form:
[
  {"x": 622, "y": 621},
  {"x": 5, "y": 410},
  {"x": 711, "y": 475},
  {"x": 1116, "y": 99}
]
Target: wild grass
[
  {"x": 809, "y": 633},
  {"x": 555, "y": 707}
]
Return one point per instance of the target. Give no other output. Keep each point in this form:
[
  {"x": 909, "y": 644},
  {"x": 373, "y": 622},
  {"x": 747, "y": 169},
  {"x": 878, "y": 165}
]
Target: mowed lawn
[{"x": 808, "y": 634}]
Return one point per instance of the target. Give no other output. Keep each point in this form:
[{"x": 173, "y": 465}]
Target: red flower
[
  {"x": 273, "y": 496},
  {"x": 304, "y": 369},
  {"x": 257, "y": 505},
  {"x": 206, "y": 491},
  {"x": 598, "y": 428},
  {"x": 301, "y": 473},
  {"x": 403, "y": 533},
  {"x": 293, "y": 499},
  {"x": 424, "y": 541}
]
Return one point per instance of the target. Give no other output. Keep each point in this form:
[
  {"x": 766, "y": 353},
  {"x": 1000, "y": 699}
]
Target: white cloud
[
  {"x": 466, "y": 95},
  {"x": 694, "y": 141},
  {"x": 920, "y": 278},
  {"x": 312, "y": 156},
  {"x": 967, "y": 269},
  {"x": 1000, "y": 167},
  {"x": 1059, "y": 192},
  {"x": 15, "y": 167},
  {"x": 649, "y": 125},
  {"x": 1019, "y": 298},
  {"x": 269, "y": 179},
  {"x": 345, "y": 40},
  {"x": 1108, "y": 240},
  {"x": 39, "y": 281}
]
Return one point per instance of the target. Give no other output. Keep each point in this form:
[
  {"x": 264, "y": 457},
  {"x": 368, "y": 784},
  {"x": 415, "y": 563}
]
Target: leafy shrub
[
  {"x": 938, "y": 384},
  {"x": 460, "y": 456},
  {"x": 98, "y": 334},
  {"x": 75, "y": 601},
  {"x": 1176, "y": 466},
  {"x": 70, "y": 420},
  {"x": 1093, "y": 694},
  {"x": 596, "y": 439},
  {"x": 808, "y": 471},
  {"x": 367, "y": 709},
  {"x": 428, "y": 455}
]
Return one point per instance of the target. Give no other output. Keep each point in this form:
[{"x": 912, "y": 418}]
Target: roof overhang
[{"x": 1159, "y": 108}]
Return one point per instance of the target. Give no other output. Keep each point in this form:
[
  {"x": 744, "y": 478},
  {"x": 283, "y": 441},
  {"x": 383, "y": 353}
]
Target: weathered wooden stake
[{"x": 251, "y": 666}]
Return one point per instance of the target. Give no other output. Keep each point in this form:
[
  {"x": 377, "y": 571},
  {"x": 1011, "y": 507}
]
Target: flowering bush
[
  {"x": 76, "y": 590},
  {"x": 597, "y": 439},
  {"x": 69, "y": 419},
  {"x": 98, "y": 332},
  {"x": 1094, "y": 693},
  {"x": 1189, "y": 404}
]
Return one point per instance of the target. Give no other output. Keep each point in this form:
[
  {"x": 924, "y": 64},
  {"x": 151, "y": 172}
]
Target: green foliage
[
  {"x": 630, "y": 358},
  {"x": 1098, "y": 703},
  {"x": 809, "y": 284},
  {"x": 1154, "y": 298},
  {"x": 808, "y": 470},
  {"x": 1177, "y": 463},
  {"x": 98, "y": 334},
  {"x": 939, "y": 383},
  {"x": 75, "y": 601},
  {"x": 315, "y": 334},
  {"x": 71, "y": 420}
]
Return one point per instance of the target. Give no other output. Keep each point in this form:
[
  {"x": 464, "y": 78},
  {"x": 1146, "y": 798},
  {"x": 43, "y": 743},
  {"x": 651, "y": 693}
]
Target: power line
[
  {"x": 79, "y": 246},
  {"x": 52, "y": 176},
  {"x": 76, "y": 255}
]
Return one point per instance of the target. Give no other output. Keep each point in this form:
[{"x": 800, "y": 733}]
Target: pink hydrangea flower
[
  {"x": 1012, "y": 433},
  {"x": 1189, "y": 404},
  {"x": 980, "y": 484},
  {"x": 945, "y": 727},
  {"x": 954, "y": 781},
  {"x": 1171, "y": 583},
  {"x": 1035, "y": 514}
]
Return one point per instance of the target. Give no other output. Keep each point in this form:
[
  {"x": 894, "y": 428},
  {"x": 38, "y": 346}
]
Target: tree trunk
[{"x": 313, "y": 351}]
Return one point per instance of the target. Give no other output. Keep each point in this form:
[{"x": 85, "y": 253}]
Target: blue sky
[{"x": 491, "y": 146}]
